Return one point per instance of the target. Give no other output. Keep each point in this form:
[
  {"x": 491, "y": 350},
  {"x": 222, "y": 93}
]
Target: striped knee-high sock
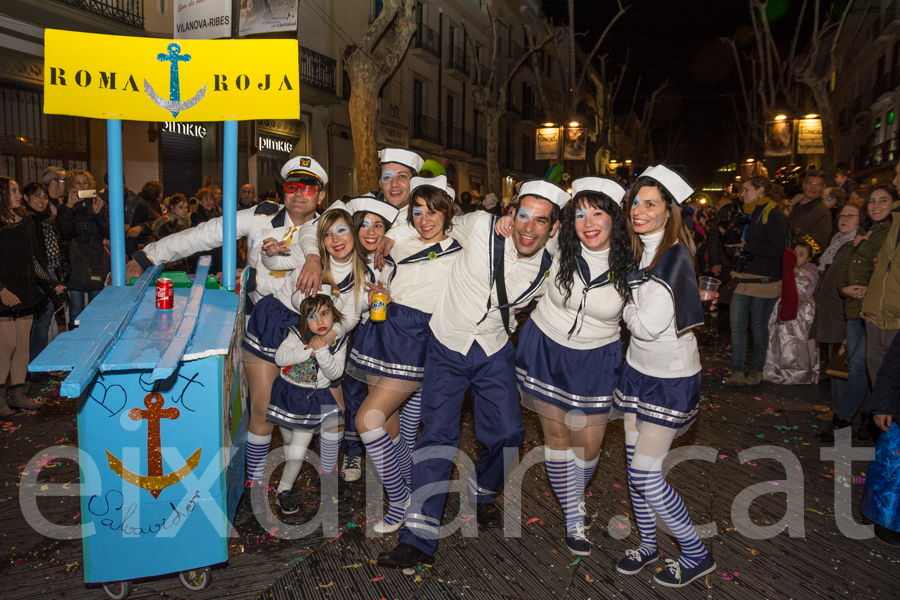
[
  {"x": 329, "y": 444},
  {"x": 643, "y": 514},
  {"x": 584, "y": 470},
  {"x": 404, "y": 458},
  {"x": 382, "y": 451},
  {"x": 410, "y": 418},
  {"x": 561, "y": 471},
  {"x": 669, "y": 505},
  {"x": 257, "y": 451}
]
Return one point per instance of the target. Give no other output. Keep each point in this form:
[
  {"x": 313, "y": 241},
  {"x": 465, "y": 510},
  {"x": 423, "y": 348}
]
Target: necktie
[{"x": 288, "y": 236}]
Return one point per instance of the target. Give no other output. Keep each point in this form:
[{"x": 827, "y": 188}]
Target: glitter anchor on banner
[
  {"x": 155, "y": 481},
  {"x": 173, "y": 104}
]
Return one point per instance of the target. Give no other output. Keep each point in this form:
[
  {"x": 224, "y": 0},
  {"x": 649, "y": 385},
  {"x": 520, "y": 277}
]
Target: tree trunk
[
  {"x": 363, "y": 122},
  {"x": 492, "y": 132}
]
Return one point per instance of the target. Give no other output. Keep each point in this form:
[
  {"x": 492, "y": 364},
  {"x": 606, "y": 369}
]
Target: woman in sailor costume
[
  {"x": 390, "y": 356},
  {"x": 659, "y": 388},
  {"x": 303, "y": 401},
  {"x": 569, "y": 351}
]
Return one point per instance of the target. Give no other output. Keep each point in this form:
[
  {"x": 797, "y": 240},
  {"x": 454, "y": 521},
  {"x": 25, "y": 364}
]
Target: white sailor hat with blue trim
[
  {"x": 370, "y": 204},
  {"x": 547, "y": 190},
  {"x": 439, "y": 182},
  {"x": 600, "y": 185},
  {"x": 402, "y": 156},
  {"x": 673, "y": 181},
  {"x": 301, "y": 167}
]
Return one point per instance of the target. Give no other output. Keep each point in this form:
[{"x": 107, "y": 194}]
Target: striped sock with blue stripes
[
  {"x": 383, "y": 454},
  {"x": 643, "y": 514},
  {"x": 329, "y": 444},
  {"x": 404, "y": 458},
  {"x": 561, "y": 471},
  {"x": 584, "y": 470},
  {"x": 410, "y": 418},
  {"x": 669, "y": 505},
  {"x": 257, "y": 451}
]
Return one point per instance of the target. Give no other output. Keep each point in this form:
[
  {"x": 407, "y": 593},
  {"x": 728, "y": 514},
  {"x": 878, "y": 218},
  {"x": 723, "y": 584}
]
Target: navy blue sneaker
[
  {"x": 634, "y": 561},
  {"x": 577, "y": 541},
  {"x": 676, "y": 576}
]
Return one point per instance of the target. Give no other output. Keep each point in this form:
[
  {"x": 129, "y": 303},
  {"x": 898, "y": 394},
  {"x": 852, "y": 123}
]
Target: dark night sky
[{"x": 677, "y": 41}]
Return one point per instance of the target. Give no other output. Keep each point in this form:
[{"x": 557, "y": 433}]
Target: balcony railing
[
  {"x": 880, "y": 153},
  {"x": 130, "y": 12},
  {"x": 456, "y": 59},
  {"x": 428, "y": 39},
  {"x": 458, "y": 139},
  {"x": 425, "y": 128},
  {"x": 317, "y": 70}
]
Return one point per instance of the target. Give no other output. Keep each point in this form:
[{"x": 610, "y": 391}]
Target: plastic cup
[{"x": 709, "y": 286}]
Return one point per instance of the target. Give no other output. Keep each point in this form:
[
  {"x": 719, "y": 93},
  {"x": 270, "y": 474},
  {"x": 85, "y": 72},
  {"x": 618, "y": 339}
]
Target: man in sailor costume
[
  {"x": 304, "y": 190},
  {"x": 471, "y": 350}
]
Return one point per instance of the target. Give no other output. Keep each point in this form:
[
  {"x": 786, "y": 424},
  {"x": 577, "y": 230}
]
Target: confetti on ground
[
  {"x": 534, "y": 520},
  {"x": 373, "y": 580},
  {"x": 577, "y": 560}
]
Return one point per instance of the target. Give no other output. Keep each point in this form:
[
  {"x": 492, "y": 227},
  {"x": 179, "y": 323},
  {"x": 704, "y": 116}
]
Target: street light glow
[
  {"x": 811, "y": 116},
  {"x": 628, "y": 162},
  {"x": 549, "y": 125},
  {"x": 574, "y": 124},
  {"x": 781, "y": 117},
  {"x": 749, "y": 160}
]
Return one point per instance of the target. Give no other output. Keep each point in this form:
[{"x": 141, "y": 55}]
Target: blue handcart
[{"x": 162, "y": 418}]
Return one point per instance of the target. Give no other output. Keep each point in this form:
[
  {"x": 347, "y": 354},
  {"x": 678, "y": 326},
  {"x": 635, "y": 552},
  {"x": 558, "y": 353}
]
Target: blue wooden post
[
  {"x": 229, "y": 208},
  {"x": 116, "y": 200}
]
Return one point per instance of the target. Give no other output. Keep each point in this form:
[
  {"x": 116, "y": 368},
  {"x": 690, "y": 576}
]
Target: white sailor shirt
[
  {"x": 418, "y": 285},
  {"x": 656, "y": 349},
  {"x": 330, "y": 367},
  {"x": 457, "y": 319}
]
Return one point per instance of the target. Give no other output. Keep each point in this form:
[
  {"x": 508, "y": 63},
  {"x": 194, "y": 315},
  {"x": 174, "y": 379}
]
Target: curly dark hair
[{"x": 621, "y": 259}]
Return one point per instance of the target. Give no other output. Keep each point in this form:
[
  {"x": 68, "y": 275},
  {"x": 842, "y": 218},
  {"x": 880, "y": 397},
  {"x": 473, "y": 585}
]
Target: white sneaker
[
  {"x": 350, "y": 469},
  {"x": 382, "y": 527}
]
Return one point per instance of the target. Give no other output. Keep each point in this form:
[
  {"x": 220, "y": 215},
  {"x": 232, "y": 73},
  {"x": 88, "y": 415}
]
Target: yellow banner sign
[{"x": 145, "y": 79}]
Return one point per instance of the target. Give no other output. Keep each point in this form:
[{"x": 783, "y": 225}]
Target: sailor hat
[
  {"x": 439, "y": 182},
  {"x": 296, "y": 168},
  {"x": 542, "y": 188},
  {"x": 402, "y": 156},
  {"x": 371, "y": 204},
  {"x": 673, "y": 181},
  {"x": 600, "y": 185}
]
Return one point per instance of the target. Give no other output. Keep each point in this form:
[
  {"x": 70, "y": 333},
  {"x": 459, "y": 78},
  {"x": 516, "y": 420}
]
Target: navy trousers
[{"x": 498, "y": 425}]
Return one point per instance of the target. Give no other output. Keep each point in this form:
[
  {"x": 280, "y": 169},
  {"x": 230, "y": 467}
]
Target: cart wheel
[
  {"x": 196, "y": 579},
  {"x": 118, "y": 590}
]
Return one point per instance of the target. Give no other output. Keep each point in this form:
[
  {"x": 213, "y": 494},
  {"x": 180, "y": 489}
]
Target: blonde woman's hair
[{"x": 326, "y": 222}]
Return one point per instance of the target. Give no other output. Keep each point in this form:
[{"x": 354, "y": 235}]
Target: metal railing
[
  {"x": 457, "y": 59},
  {"x": 428, "y": 39},
  {"x": 457, "y": 139},
  {"x": 317, "y": 70},
  {"x": 425, "y": 128},
  {"x": 130, "y": 12}
]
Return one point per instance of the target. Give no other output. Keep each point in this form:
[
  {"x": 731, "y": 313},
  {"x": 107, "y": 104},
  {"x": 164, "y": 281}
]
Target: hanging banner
[
  {"x": 144, "y": 79},
  {"x": 263, "y": 16},
  {"x": 202, "y": 19},
  {"x": 576, "y": 143},
  {"x": 546, "y": 144},
  {"x": 809, "y": 137},
  {"x": 779, "y": 138}
]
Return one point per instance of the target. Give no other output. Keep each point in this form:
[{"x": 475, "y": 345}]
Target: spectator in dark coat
[
  {"x": 145, "y": 215},
  {"x": 809, "y": 215}
]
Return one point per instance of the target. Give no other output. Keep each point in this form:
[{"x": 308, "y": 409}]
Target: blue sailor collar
[{"x": 675, "y": 270}]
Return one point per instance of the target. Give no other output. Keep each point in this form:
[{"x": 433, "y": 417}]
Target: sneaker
[
  {"x": 634, "y": 561},
  {"x": 488, "y": 516},
  {"x": 585, "y": 517},
  {"x": 577, "y": 541},
  {"x": 404, "y": 556},
  {"x": 287, "y": 502},
  {"x": 754, "y": 378},
  {"x": 350, "y": 469},
  {"x": 676, "y": 576},
  {"x": 736, "y": 379}
]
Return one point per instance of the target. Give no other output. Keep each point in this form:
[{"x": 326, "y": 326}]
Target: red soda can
[{"x": 165, "y": 292}]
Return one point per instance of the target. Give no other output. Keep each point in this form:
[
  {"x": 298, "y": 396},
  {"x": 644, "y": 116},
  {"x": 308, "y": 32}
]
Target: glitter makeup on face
[
  {"x": 340, "y": 229},
  {"x": 418, "y": 213},
  {"x": 580, "y": 214},
  {"x": 635, "y": 203},
  {"x": 524, "y": 214},
  {"x": 387, "y": 176},
  {"x": 312, "y": 316},
  {"x": 367, "y": 223}
]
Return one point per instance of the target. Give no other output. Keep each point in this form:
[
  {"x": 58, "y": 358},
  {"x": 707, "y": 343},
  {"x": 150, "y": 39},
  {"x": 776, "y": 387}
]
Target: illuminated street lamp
[{"x": 780, "y": 117}]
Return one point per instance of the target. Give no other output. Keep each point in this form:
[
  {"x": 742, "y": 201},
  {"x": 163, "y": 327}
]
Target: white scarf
[{"x": 837, "y": 241}]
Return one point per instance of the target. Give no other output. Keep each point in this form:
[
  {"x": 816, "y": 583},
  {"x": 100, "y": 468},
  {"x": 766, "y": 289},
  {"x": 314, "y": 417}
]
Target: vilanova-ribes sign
[{"x": 144, "y": 79}]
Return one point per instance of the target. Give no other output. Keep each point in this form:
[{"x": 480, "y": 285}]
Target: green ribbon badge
[
  {"x": 432, "y": 255},
  {"x": 547, "y": 273}
]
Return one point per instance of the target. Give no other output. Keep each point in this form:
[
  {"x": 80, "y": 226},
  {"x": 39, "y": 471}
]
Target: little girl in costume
[
  {"x": 793, "y": 358},
  {"x": 302, "y": 400}
]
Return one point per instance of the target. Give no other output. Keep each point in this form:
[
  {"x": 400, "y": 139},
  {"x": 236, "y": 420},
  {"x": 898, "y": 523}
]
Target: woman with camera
[
  {"x": 84, "y": 221},
  {"x": 756, "y": 237}
]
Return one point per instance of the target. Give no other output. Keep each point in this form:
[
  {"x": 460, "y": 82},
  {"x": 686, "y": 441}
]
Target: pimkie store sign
[{"x": 146, "y": 79}]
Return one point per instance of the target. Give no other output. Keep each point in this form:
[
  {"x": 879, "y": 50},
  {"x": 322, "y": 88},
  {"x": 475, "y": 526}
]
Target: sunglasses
[{"x": 304, "y": 188}]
